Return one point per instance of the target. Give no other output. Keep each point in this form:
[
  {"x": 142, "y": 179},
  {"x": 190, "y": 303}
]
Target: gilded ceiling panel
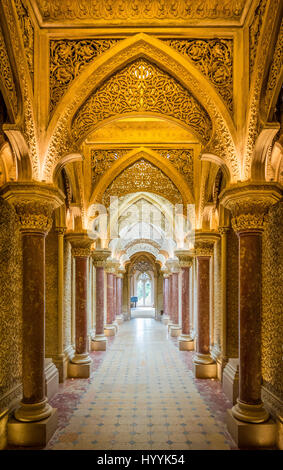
[
  {"x": 102, "y": 160},
  {"x": 214, "y": 58},
  {"x": 140, "y": 11},
  {"x": 142, "y": 87},
  {"x": 142, "y": 176},
  {"x": 68, "y": 58}
]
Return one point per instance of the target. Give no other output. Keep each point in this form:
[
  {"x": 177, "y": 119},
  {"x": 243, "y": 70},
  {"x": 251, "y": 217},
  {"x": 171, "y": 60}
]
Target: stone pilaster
[
  {"x": 34, "y": 204},
  {"x": 80, "y": 363},
  {"x": 204, "y": 365},
  {"x": 186, "y": 342},
  {"x": 249, "y": 204},
  {"x": 99, "y": 258}
]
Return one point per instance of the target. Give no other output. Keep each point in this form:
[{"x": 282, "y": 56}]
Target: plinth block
[
  {"x": 79, "y": 371},
  {"x": 98, "y": 345},
  {"x": 110, "y": 331},
  {"x": 35, "y": 434},
  {"x": 250, "y": 435},
  {"x": 175, "y": 331},
  {"x": 205, "y": 371},
  {"x": 186, "y": 345}
]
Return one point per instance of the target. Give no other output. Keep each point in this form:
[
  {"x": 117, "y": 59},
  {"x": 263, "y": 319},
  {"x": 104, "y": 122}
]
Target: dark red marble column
[
  {"x": 203, "y": 306},
  {"x": 165, "y": 295},
  {"x": 109, "y": 277},
  {"x": 119, "y": 295},
  {"x": 185, "y": 301},
  {"x": 114, "y": 311},
  {"x": 170, "y": 293},
  {"x": 175, "y": 298},
  {"x": 81, "y": 305},
  {"x": 99, "y": 328}
]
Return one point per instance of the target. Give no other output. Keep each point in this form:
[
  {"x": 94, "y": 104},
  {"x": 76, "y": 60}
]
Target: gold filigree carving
[
  {"x": 27, "y": 33},
  {"x": 102, "y": 160},
  {"x": 80, "y": 252},
  {"x": 34, "y": 216},
  {"x": 142, "y": 176},
  {"x": 141, "y": 87},
  {"x": 140, "y": 11},
  {"x": 68, "y": 58},
  {"x": 254, "y": 32},
  {"x": 275, "y": 68},
  {"x": 204, "y": 248},
  {"x": 214, "y": 58},
  {"x": 7, "y": 74},
  {"x": 182, "y": 160},
  {"x": 99, "y": 258}
]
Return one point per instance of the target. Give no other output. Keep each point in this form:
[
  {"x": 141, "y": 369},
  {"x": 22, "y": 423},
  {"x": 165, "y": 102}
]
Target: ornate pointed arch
[
  {"x": 134, "y": 156},
  {"x": 59, "y": 135}
]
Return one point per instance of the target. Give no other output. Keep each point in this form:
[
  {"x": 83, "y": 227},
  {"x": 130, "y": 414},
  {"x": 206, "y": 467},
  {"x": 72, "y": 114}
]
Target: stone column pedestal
[
  {"x": 186, "y": 343},
  {"x": 204, "y": 365},
  {"x": 99, "y": 259},
  {"x": 248, "y": 422},
  {"x": 79, "y": 366},
  {"x": 34, "y": 419}
]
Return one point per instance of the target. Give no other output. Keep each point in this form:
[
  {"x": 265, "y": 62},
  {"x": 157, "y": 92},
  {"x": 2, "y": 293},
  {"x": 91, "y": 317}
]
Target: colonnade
[{"x": 248, "y": 204}]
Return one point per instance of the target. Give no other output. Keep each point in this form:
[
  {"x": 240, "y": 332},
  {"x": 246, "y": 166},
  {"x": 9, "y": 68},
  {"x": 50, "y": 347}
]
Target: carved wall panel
[
  {"x": 27, "y": 33},
  {"x": 140, "y": 11},
  {"x": 272, "y": 301},
  {"x": 142, "y": 176},
  {"x": 275, "y": 68},
  {"x": 232, "y": 295},
  {"x": 6, "y": 74},
  {"x": 68, "y": 58},
  {"x": 142, "y": 87},
  {"x": 214, "y": 58},
  {"x": 182, "y": 160},
  {"x": 102, "y": 160},
  {"x": 10, "y": 306}
]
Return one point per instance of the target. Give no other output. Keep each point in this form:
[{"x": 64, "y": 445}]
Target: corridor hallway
[{"x": 141, "y": 395}]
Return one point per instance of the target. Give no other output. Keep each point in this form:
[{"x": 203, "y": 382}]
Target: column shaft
[
  {"x": 203, "y": 305},
  {"x": 81, "y": 305},
  {"x": 175, "y": 298},
  {"x": 99, "y": 301},
  {"x": 185, "y": 301},
  {"x": 109, "y": 278}
]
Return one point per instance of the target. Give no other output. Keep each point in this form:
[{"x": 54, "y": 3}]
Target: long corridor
[{"x": 141, "y": 395}]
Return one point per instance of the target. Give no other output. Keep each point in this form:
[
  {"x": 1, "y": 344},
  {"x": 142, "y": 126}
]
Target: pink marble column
[
  {"x": 185, "y": 301},
  {"x": 170, "y": 293},
  {"x": 99, "y": 327},
  {"x": 175, "y": 298},
  {"x": 119, "y": 295},
  {"x": 165, "y": 296},
  {"x": 109, "y": 277},
  {"x": 114, "y": 311}
]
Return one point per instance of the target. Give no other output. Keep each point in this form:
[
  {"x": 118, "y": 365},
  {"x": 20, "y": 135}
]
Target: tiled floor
[
  {"x": 142, "y": 312},
  {"x": 141, "y": 395}
]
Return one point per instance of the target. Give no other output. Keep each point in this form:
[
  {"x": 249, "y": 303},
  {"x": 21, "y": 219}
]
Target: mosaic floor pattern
[{"x": 141, "y": 395}]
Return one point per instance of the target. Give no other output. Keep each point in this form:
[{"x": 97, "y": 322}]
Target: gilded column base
[
  {"x": 204, "y": 366},
  {"x": 251, "y": 435},
  {"x": 165, "y": 319},
  {"x": 230, "y": 382},
  {"x": 250, "y": 413},
  {"x": 79, "y": 371},
  {"x": 81, "y": 359},
  {"x": 29, "y": 412},
  {"x": 186, "y": 343},
  {"x": 32, "y": 434},
  {"x": 175, "y": 330},
  {"x": 99, "y": 343},
  {"x": 109, "y": 330},
  {"x": 203, "y": 359}
]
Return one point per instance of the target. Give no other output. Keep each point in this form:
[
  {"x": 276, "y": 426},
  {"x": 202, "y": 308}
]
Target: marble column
[
  {"x": 35, "y": 420},
  {"x": 110, "y": 329},
  {"x": 204, "y": 365},
  {"x": 170, "y": 322},
  {"x": 174, "y": 326},
  {"x": 186, "y": 342},
  {"x": 79, "y": 365},
  {"x": 99, "y": 258},
  {"x": 114, "y": 309},
  {"x": 165, "y": 317},
  {"x": 249, "y": 204},
  {"x": 119, "y": 316}
]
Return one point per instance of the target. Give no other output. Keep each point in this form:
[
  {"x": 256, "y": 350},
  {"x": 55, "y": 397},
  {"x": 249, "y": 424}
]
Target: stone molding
[
  {"x": 34, "y": 204},
  {"x": 249, "y": 204}
]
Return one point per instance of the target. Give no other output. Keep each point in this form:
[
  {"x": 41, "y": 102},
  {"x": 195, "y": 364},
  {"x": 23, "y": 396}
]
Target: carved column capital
[
  {"x": 112, "y": 265},
  {"x": 204, "y": 243},
  {"x": 173, "y": 265},
  {"x": 61, "y": 230},
  {"x": 223, "y": 230},
  {"x": 185, "y": 258},
  {"x": 80, "y": 243},
  {"x": 249, "y": 204},
  {"x": 99, "y": 257},
  {"x": 34, "y": 204}
]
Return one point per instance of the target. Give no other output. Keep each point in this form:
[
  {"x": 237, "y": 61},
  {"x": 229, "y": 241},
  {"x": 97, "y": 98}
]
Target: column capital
[
  {"x": 34, "y": 204},
  {"x": 61, "y": 230},
  {"x": 249, "y": 204},
  {"x": 80, "y": 242},
  {"x": 186, "y": 258},
  {"x": 112, "y": 265},
  {"x": 204, "y": 242},
  {"x": 165, "y": 272},
  {"x": 173, "y": 265},
  {"x": 223, "y": 230},
  {"x": 99, "y": 257}
]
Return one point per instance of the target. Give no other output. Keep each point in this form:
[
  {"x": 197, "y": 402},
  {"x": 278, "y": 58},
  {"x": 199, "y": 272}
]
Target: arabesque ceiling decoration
[{"x": 142, "y": 176}]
